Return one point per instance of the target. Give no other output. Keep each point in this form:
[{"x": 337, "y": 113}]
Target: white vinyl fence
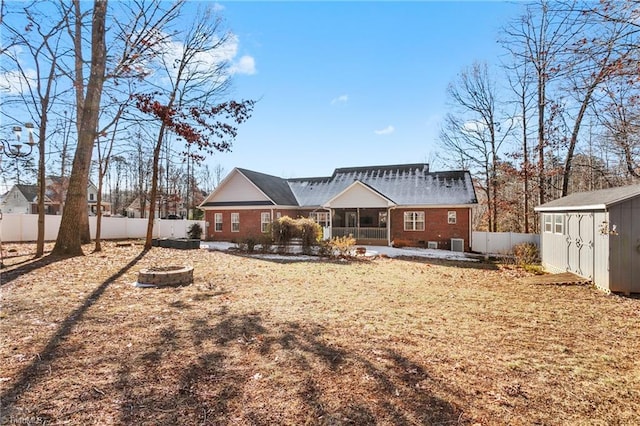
[
  {"x": 24, "y": 227},
  {"x": 501, "y": 242}
]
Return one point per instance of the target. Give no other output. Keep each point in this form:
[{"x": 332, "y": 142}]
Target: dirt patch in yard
[{"x": 253, "y": 341}]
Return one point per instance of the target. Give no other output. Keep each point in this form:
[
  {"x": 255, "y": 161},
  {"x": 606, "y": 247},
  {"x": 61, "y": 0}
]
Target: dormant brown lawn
[{"x": 259, "y": 342}]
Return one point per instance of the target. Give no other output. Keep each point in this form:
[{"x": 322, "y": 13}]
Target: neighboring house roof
[
  {"x": 30, "y": 192},
  {"x": 592, "y": 200},
  {"x": 404, "y": 184}
]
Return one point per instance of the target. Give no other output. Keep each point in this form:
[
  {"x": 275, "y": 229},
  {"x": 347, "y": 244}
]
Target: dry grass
[{"x": 260, "y": 342}]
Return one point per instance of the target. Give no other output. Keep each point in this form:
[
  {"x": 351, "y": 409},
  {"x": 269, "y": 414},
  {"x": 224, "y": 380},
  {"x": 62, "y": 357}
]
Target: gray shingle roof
[
  {"x": 592, "y": 200},
  {"x": 30, "y": 192},
  {"x": 273, "y": 187},
  {"x": 404, "y": 184}
]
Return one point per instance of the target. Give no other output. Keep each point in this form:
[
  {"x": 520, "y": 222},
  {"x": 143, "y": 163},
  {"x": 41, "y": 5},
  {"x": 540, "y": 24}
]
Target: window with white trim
[
  {"x": 414, "y": 221},
  {"x": 451, "y": 217},
  {"x": 235, "y": 222},
  {"x": 321, "y": 218},
  {"x": 558, "y": 224},
  {"x": 217, "y": 220},
  {"x": 265, "y": 221},
  {"x": 548, "y": 223}
]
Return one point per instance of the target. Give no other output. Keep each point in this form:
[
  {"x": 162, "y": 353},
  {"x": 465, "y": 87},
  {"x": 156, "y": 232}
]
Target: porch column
[
  {"x": 389, "y": 226},
  {"x": 357, "y": 223}
]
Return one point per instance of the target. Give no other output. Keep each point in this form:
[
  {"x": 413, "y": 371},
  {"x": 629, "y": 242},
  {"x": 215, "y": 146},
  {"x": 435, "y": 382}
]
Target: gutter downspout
[{"x": 389, "y": 225}]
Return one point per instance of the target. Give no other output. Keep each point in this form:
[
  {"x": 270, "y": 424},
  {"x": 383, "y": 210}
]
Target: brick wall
[
  {"x": 436, "y": 227},
  {"x": 249, "y": 222}
]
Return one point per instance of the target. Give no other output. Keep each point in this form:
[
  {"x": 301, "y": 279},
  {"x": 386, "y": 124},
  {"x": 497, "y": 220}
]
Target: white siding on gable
[
  {"x": 359, "y": 195},
  {"x": 15, "y": 202},
  {"x": 237, "y": 188}
]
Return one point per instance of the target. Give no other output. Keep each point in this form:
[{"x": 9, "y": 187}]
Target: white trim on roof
[
  {"x": 250, "y": 207},
  {"x": 570, "y": 208}
]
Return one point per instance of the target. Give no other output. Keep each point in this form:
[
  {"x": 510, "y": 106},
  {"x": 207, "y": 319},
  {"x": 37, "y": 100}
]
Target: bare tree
[
  {"x": 477, "y": 130},
  {"x": 607, "y": 49},
  {"x": 69, "y": 236},
  {"x": 538, "y": 38},
  {"x": 198, "y": 78},
  {"x": 40, "y": 39},
  {"x": 137, "y": 40}
]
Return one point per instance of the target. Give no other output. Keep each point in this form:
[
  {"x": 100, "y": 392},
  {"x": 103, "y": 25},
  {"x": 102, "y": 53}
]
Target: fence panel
[
  {"x": 24, "y": 227},
  {"x": 501, "y": 242}
]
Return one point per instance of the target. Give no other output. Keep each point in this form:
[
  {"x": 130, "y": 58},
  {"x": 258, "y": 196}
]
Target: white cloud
[
  {"x": 205, "y": 62},
  {"x": 342, "y": 99},
  {"x": 14, "y": 83},
  {"x": 386, "y": 131},
  {"x": 244, "y": 65},
  {"x": 217, "y": 7}
]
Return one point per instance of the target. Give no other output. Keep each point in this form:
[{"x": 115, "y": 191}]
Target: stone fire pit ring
[{"x": 165, "y": 276}]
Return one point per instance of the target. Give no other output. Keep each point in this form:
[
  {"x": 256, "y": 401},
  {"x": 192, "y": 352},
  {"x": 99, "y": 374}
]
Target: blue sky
[{"x": 352, "y": 83}]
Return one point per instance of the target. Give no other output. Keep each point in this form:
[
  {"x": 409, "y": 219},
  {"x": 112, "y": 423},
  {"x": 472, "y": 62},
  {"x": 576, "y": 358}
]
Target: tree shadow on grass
[
  {"x": 241, "y": 371},
  {"x": 34, "y": 371},
  {"x": 481, "y": 264},
  {"x": 10, "y": 273}
]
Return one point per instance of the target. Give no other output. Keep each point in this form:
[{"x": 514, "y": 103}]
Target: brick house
[{"x": 378, "y": 205}]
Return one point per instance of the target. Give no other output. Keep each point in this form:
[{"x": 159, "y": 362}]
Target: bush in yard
[
  {"x": 309, "y": 231},
  {"x": 266, "y": 241},
  {"x": 286, "y": 228},
  {"x": 342, "y": 245},
  {"x": 526, "y": 254},
  {"x": 325, "y": 249},
  {"x": 250, "y": 243},
  {"x": 283, "y": 230},
  {"x": 195, "y": 231}
]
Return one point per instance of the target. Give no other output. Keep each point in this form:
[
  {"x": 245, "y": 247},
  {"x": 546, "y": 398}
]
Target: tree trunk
[
  {"x": 566, "y": 174},
  {"x": 69, "y": 236},
  {"x": 154, "y": 187},
  {"x": 98, "y": 246},
  {"x": 541, "y": 142}
]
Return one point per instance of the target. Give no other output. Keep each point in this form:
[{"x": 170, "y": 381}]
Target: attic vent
[
  {"x": 432, "y": 244},
  {"x": 457, "y": 244}
]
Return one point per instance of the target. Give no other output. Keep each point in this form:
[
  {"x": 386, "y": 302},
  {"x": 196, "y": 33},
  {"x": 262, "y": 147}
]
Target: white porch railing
[{"x": 360, "y": 233}]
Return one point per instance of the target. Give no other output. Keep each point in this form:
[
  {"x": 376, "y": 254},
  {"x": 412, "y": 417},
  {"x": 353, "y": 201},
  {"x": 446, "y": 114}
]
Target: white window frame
[
  {"x": 558, "y": 224},
  {"x": 321, "y": 218},
  {"x": 452, "y": 217},
  {"x": 235, "y": 222},
  {"x": 414, "y": 220},
  {"x": 548, "y": 223},
  {"x": 265, "y": 221},
  {"x": 217, "y": 220}
]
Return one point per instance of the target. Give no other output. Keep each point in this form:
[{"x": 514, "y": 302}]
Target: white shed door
[{"x": 579, "y": 235}]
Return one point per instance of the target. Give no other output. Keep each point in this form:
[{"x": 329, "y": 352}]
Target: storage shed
[{"x": 595, "y": 235}]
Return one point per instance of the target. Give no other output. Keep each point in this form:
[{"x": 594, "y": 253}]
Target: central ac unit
[{"x": 457, "y": 244}]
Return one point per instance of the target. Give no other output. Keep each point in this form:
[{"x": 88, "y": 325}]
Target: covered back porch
[
  {"x": 366, "y": 225},
  {"x": 362, "y": 212}
]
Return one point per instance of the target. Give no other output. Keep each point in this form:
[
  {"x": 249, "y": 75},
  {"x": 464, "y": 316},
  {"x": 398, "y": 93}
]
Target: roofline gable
[
  {"x": 225, "y": 181},
  {"x": 390, "y": 202}
]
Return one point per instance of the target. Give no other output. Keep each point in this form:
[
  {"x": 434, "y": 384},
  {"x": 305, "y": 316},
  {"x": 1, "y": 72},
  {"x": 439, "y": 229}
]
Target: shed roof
[{"x": 592, "y": 200}]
